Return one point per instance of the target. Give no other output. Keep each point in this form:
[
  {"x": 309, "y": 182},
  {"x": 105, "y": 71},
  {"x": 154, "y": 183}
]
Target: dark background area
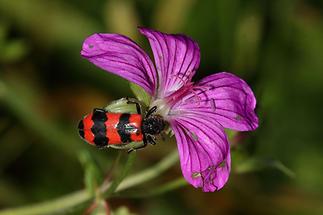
[{"x": 46, "y": 87}]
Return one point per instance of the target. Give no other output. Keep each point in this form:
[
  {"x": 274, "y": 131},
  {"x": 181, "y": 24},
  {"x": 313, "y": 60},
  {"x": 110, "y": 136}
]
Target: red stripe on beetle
[
  {"x": 88, "y": 123},
  {"x": 111, "y": 128},
  {"x": 135, "y": 120}
]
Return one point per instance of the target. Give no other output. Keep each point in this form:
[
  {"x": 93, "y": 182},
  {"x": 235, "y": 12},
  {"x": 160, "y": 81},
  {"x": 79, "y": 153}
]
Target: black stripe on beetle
[
  {"x": 121, "y": 128},
  {"x": 98, "y": 129}
]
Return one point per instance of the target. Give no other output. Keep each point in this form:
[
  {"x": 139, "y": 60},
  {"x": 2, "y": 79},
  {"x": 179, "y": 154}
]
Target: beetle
[{"x": 104, "y": 129}]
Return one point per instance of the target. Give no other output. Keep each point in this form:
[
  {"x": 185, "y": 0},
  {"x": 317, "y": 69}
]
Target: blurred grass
[{"x": 45, "y": 87}]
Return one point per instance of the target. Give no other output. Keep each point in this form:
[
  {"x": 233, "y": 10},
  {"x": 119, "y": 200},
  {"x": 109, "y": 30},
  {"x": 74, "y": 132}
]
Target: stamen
[
  {"x": 202, "y": 89},
  {"x": 177, "y": 76},
  {"x": 198, "y": 98}
]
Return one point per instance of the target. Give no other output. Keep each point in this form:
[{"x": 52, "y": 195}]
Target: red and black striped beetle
[{"x": 103, "y": 129}]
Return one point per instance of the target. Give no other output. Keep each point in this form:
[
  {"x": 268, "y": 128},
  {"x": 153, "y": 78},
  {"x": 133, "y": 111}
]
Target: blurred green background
[{"x": 46, "y": 87}]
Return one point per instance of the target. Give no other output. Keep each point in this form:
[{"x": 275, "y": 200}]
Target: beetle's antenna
[{"x": 151, "y": 111}]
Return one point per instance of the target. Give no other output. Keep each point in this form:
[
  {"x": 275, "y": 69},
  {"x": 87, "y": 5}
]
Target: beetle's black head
[{"x": 153, "y": 125}]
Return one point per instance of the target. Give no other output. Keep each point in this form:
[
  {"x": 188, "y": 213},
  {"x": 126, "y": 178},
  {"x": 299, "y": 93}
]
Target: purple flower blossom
[{"x": 197, "y": 112}]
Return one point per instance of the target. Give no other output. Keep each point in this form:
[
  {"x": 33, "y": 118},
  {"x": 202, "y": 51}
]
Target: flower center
[{"x": 162, "y": 107}]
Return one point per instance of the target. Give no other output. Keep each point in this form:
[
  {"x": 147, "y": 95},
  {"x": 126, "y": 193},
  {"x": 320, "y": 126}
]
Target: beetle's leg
[
  {"x": 151, "y": 111},
  {"x": 136, "y": 102},
  {"x": 151, "y": 140},
  {"x": 136, "y": 148},
  {"x": 139, "y": 147}
]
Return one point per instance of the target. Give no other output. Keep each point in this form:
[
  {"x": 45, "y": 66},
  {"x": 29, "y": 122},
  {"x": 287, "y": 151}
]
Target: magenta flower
[{"x": 197, "y": 112}]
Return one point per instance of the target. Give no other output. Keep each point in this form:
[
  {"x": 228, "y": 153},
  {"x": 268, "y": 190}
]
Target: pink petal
[
  {"x": 223, "y": 97},
  {"x": 176, "y": 56},
  {"x": 121, "y": 56},
  {"x": 203, "y": 150}
]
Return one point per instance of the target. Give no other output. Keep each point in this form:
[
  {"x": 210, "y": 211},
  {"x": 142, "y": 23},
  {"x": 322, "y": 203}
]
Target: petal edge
[
  {"x": 121, "y": 56},
  {"x": 204, "y": 152},
  {"x": 225, "y": 98}
]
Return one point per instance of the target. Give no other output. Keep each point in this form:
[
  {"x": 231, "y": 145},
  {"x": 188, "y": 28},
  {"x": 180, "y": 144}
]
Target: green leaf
[
  {"x": 257, "y": 164},
  {"x": 92, "y": 175},
  {"x": 140, "y": 94}
]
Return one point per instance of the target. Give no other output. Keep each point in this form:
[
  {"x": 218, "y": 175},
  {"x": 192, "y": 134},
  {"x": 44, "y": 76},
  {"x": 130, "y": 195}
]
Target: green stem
[
  {"x": 175, "y": 184},
  {"x": 116, "y": 182},
  {"x": 49, "y": 207},
  {"x": 150, "y": 173},
  {"x": 71, "y": 200}
]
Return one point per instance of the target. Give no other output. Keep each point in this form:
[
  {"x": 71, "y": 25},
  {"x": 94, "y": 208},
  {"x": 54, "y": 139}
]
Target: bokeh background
[{"x": 46, "y": 87}]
